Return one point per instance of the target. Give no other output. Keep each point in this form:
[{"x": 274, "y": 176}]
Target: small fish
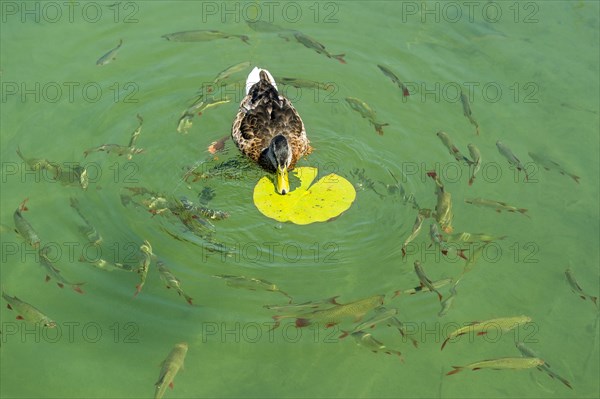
[
  {"x": 202, "y": 36},
  {"x": 425, "y": 281},
  {"x": 73, "y": 174},
  {"x": 387, "y": 72},
  {"x": 110, "y": 56},
  {"x": 306, "y": 84},
  {"x": 515, "y": 363},
  {"x": 335, "y": 315},
  {"x": 227, "y": 72},
  {"x": 475, "y": 163},
  {"x": 145, "y": 260},
  {"x": 169, "y": 369},
  {"x": 447, "y": 303},
  {"x": 366, "y": 112},
  {"x": 549, "y": 164},
  {"x": 266, "y": 27},
  {"x": 576, "y": 288},
  {"x": 311, "y": 43},
  {"x": 218, "y": 145},
  {"x": 24, "y": 228},
  {"x": 27, "y": 312},
  {"x": 106, "y": 265},
  {"x": 420, "y": 288},
  {"x": 171, "y": 281},
  {"x": 505, "y": 324},
  {"x": 135, "y": 134},
  {"x": 394, "y": 322},
  {"x": 415, "y": 232},
  {"x": 443, "y": 207},
  {"x": 251, "y": 283},
  {"x": 438, "y": 240},
  {"x": 53, "y": 272},
  {"x": 473, "y": 258},
  {"x": 498, "y": 206},
  {"x": 115, "y": 149},
  {"x": 39, "y": 163},
  {"x": 526, "y": 352},
  {"x": 512, "y": 159},
  {"x": 89, "y": 231},
  {"x": 382, "y": 314},
  {"x": 473, "y": 237},
  {"x": 454, "y": 151},
  {"x": 305, "y": 306},
  {"x": 200, "y": 106},
  {"x": 467, "y": 111},
  {"x": 368, "y": 341}
]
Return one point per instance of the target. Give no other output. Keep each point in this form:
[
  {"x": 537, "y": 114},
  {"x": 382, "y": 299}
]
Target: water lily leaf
[{"x": 326, "y": 199}]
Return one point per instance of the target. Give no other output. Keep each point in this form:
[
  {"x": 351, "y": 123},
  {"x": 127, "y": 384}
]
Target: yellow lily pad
[{"x": 326, "y": 199}]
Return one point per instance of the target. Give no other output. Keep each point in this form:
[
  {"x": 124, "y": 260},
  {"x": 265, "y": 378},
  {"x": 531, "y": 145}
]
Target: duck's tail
[{"x": 254, "y": 77}]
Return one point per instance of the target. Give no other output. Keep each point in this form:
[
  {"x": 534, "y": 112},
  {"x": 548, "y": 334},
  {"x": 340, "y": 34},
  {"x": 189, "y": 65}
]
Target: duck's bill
[{"x": 282, "y": 181}]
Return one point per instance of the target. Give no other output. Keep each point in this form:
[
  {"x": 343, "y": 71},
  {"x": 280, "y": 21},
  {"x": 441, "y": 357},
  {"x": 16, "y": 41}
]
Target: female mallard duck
[{"x": 268, "y": 129}]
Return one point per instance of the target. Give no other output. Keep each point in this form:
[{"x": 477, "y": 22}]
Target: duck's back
[{"x": 263, "y": 114}]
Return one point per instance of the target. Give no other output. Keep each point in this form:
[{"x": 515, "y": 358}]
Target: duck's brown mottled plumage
[{"x": 264, "y": 114}]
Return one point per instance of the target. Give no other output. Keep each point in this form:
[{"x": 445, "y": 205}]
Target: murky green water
[{"x": 531, "y": 72}]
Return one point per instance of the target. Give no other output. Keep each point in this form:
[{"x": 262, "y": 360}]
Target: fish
[
  {"x": 420, "y": 288},
  {"x": 387, "y": 72},
  {"x": 23, "y": 227},
  {"x": 306, "y": 84},
  {"x": 415, "y": 232},
  {"x": 311, "y": 43},
  {"x": 498, "y": 206},
  {"x": 251, "y": 283},
  {"x": 227, "y": 72},
  {"x": 504, "y": 363},
  {"x": 473, "y": 237},
  {"x": 110, "y": 56},
  {"x": 454, "y": 151},
  {"x": 438, "y": 239},
  {"x": 106, "y": 265},
  {"x": 443, "y": 208},
  {"x": 89, "y": 231},
  {"x": 382, "y": 314},
  {"x": 576, "y": 288},
  {"x": 467, "y": 111},
  {"x": 528, "y": 353},
  {"x": 512, "y": 158},
  {"x": 39, "y": 164},
  {"x": 366, "y": 112},
  {"x": 305, "y": 306},
  {"x": 115, "y": 149},
  {"x": 425, "y": 281},
  {"x": 169, "y": 369},
  {"x": 200, "y": 106},
  {"x": 145, "y": 260},
  {"x": 136, "y": 133},
  {"x": 27, "y": 312},
  {"x": 218, "y": 145},
  {"x": 475, "y": 163},
  {"x": 335, "y": 315},
  {"x": 394, "y": 322},
  {"x": 265, "y": 27},
  {"x": 474, "y": 256},
  {"x": 447, "y": 303},
  {"x": 202, "y": 36},
  {"x": 73, "y": 174},
  {"x": 549, "y": 164},
  {"x": 368, "y": 341},
  {"x": 171, "y": 281},
  {"x": 53, "y": 272},
  {"x": 545, "y": 367},
  {"x": 505, "y": 324}
]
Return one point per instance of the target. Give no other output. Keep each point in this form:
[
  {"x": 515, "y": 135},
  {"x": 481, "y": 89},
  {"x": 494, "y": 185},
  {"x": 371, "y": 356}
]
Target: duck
[{"x": 268, "y": 129}]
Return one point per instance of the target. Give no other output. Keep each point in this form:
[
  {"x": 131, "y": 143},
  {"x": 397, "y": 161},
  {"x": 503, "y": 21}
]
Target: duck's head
[{"x": 280, "y": 156}]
